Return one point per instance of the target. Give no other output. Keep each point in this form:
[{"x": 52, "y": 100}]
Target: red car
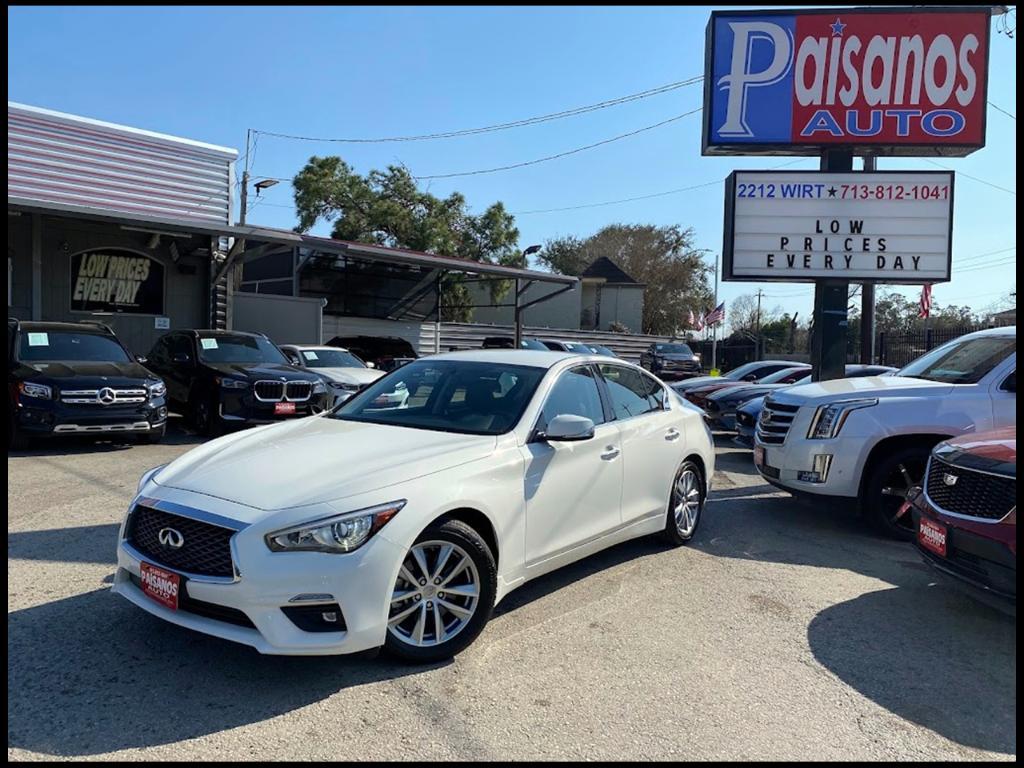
[
  {"x": 965, "y": 516},
  {"x": 699, "y": 395}
]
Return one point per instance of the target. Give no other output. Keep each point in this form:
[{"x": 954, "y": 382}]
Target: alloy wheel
[
  {"x": 686, "y": 501},
  {"x": 895, "y": 489},
  {"x": 436, "y": 594}
]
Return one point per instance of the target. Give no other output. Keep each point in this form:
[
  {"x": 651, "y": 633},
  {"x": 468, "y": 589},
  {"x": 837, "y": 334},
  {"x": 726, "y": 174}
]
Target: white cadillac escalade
[{"x": 867, "y": 440}]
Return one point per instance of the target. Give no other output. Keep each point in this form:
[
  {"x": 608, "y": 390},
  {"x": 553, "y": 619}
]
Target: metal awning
[{"x": 255, "y": 237}]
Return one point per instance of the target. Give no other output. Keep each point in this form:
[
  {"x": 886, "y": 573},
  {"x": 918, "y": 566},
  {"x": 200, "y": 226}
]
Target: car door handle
[
  {"x": 610, "y": 452},
  {"x": 672, "y": 434}
]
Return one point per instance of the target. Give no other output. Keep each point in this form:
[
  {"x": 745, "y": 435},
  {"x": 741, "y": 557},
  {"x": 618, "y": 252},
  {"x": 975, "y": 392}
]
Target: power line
[
  {"x": 973, "y": 178},
  {"x": 643, "y": 197},
  {"x": 989, "y": 253},
  {"x": 501, "y": 126},
  {"x": 1000, "y": 109},
  {"x": 560, "y": 154}
]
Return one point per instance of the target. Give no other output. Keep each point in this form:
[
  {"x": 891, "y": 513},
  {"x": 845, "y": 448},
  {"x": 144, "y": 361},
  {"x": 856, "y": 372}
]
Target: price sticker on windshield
[
  {"x": 208, "y": 343},
  {"x": 39, "y": 340}
]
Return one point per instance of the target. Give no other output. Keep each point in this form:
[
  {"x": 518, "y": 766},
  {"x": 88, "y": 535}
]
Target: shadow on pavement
[
  {"x": 83, "y": 544},
  {"x": 123, "y": 679},
  {"x": 937, "y": 659}
]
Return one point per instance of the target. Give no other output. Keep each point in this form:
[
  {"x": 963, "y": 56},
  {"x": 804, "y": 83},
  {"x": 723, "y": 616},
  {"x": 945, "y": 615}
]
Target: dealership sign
[
  {"x": 892, "y": 80},
  {"x": 796, "y": 226},
  {"x": 116, "y": 280}
]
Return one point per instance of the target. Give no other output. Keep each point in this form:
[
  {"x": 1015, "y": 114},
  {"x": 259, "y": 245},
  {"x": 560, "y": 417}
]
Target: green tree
[
  {"x": 387, "y": 208},
  {"x": 662, "y": 258}
]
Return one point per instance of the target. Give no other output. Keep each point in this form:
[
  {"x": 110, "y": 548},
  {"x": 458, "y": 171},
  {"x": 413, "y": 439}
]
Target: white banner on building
[{"x": 795, "y": 226}]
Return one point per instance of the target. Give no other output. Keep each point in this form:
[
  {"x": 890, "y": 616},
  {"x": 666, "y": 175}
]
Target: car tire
[
  {"x": 481, "y": 578},
  {"x": 16, "y": 439},
  {"x": 885, "y": 488},
  {"x": 684, "y": 509},
  {"x": 205, "y": 418}
]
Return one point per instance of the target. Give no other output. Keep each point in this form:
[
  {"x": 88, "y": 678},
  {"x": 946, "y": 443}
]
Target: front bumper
[
  {"x": 243, "y": 407},
  {"x": 48, "y": 418},
  {"x": 360, "y": 582},
  {"x": 783, "y": 464},
  {"x": 983, "y": 565}
]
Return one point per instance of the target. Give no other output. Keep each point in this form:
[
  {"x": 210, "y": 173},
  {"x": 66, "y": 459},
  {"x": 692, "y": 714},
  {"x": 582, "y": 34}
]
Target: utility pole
[
  {"x": 867, "y": 303},
  {"x": 714, "y": 328},
  {"x": 243, "y": 201},
  {"x": 757, "y": 342}
]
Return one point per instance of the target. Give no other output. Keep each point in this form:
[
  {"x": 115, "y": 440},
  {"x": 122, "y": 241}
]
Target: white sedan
[{"x": 377, "y": 525}]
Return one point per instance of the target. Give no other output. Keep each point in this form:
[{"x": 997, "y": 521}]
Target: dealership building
[{"x": 134, "y": 229}]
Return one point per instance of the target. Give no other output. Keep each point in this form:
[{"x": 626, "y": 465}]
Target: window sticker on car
[
  {"x": 309, "y": 354},
  {"x": 208, "y": 343},
  {"x": 39, "y": 339}
]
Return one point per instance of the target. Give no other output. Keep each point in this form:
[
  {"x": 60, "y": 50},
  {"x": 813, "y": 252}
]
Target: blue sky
[{"x": 211, "y": 73}]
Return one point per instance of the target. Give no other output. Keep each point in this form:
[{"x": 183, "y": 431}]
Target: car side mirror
[
  {"x": 568, "y": 428},
  {"x": 182, "y": 357},
  {"x": 750, "y": 377},
  {"x": 141, "y": 359},
  {"x": 371, "y": 365}
]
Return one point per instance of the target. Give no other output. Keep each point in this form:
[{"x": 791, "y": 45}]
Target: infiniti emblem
[
  {"x": 170, "y": 538},
  {"x": 106, "y": 396},
  {"x": 949, "y": 479}
]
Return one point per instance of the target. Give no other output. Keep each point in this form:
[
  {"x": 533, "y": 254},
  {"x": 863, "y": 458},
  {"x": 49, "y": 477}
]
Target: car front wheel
[
  {"x": 686, "y": 504},
  {"x": 887, "y": 486},
  {"x": 443, "y": 595}
]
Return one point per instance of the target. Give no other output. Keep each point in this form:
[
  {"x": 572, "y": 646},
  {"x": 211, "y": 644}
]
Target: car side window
[
  {"x": 180, "y": 345},
  {"x": 1010, "y": 383},
  {"x": 575, "y": 394},
  {"x": 631, "y": 392},
  {"x": 655, "y": 392},
  {"x": 292, "y": 355}
]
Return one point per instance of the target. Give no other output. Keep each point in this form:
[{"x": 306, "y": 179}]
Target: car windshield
[
  {"x": 672, "y": 349},
  {"x": 583, "y": 349},
  {"x": 738, "y": 373},
  {"x": 70, "y": 347},
  {"x": 533, "y": 344},
  {"x": 330, "y": 358},
  {"x": 785, "y": 376},
  {"x": 232, "y": 348},
  {"x": 962, "y": 361},
  {"x": 477, "y": 398}
]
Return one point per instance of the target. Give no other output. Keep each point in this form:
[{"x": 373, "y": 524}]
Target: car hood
[
  {"x": 276, "y": 371},
  {"x": 993, "y": 451},
  {"x": 358, "y": 376},
  {"x": 317, "y": 459},
  {"x": 86, "y": 374},
  {"x": 744, "y": 392},
  {"x": 867, "y": 386},
  {"x": 753, "y": 406},
  {"x": 674, "y": 356},
  {"x": 696, "y": 381}
]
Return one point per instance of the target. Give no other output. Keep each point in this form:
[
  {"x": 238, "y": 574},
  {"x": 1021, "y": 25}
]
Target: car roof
[
  {"x": 223, "y": 332},
  {"x": 86, "y": 327},
  {"x": 1008, "y": 330},
  {"x": 531, "y": 357},
  {"x": 301, "y": 347}
]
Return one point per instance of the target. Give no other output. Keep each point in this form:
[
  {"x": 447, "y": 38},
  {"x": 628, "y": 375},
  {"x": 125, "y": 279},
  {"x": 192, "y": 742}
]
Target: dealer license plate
[
  {"x": 283, "y": 408},
  {"x": 160, "y": 585},
  {"x": 758, "y": 455},
  {"x": 932, "y": 536}
]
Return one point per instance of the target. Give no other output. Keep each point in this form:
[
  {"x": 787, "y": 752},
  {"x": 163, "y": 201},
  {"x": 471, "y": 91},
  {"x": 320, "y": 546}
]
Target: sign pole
[
  {"x": 714, "y": 328},
  {"x": 867, "y": 302},
  {"x": 828, "y": 346}
]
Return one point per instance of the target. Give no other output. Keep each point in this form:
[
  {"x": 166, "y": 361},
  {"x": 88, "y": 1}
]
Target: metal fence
[{"x": 898, "y": 349}]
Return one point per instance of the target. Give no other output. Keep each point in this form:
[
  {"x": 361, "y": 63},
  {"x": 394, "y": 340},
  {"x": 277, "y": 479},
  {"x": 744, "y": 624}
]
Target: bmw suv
[{"x": 78, "y": 379}]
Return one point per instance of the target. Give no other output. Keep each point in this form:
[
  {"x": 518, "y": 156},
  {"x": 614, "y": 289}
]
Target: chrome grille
[
  {"x": 104, "y": 396},
  {"x": 269, "y": 391},
  {"x": 774, "y": 423},
  {"x": 972, "y": 493}
]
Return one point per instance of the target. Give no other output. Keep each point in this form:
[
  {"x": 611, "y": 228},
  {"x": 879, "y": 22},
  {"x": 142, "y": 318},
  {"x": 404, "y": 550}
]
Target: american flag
[
  {"x": 692, "y": 321},
  {"x": 925, "y": 305},
  {"x": 716, "y": 316}
]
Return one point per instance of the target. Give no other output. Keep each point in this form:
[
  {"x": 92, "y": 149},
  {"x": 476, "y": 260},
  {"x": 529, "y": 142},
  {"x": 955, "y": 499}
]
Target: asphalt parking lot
[{"x": 782, "y": 632}]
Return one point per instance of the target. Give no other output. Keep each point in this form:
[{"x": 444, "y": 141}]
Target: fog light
[{"x": 819, "y": 474}]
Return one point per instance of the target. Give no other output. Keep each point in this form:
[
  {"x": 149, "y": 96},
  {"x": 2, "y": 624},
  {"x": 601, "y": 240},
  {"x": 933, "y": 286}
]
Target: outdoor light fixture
[
  {"x": 531, "y": 249},
  {"x": 264, "y": 184}
]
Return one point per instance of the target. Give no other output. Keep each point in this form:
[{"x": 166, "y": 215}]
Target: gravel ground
[{"x": 782, "y": 632}]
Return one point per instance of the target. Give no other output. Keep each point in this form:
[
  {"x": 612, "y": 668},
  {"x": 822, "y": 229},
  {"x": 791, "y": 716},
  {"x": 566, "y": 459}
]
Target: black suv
[
  {"x": 670, "y": 360},
  {"x": 78, "y": 379},
  {"x": 385, "y": 352},
  {"x": 220, "y": 378}
]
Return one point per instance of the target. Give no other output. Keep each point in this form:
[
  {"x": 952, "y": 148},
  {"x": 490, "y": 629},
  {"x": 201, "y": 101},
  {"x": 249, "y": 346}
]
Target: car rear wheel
[
  {"x": 686, "y": 504},
  {"x": 887, "y": 487},
  {"x": 443, "y": 595}
]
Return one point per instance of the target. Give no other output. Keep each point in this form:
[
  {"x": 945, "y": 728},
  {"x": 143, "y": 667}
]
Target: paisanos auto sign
[{"x": 893, "y": 79}]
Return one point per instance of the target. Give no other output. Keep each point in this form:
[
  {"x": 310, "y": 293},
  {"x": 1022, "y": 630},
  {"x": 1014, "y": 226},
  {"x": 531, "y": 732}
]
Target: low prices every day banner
[
  {"x": 885, "y": 227},
  {"x": 113, "y": 280},
  {"x": 894, "y": 79}
]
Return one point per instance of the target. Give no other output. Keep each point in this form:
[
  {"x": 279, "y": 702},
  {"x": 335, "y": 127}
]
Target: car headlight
[
  {"x": 148, "y": 475},
  {"x": 345, "y": 386},
  {"x": 337, "y": 534},
  {"x": 829, "y": 419},
  {"x": 319, "y": 388},
  {"x": 41, "y": 391},
  {"x": 157, "y": 390},
  {"x": 227, "y": 383}
]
